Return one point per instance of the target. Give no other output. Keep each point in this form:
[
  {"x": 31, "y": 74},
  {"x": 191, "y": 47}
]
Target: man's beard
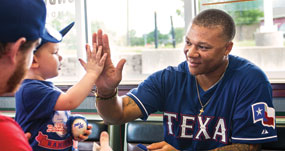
[{"x": 17, "y": 76}]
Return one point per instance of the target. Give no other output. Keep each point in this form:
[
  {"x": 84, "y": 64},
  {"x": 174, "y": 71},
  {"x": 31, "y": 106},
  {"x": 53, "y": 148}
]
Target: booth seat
[{"x": 143, "y": 132}]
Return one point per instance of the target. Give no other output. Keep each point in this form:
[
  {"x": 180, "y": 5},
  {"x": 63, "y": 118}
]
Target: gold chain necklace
[{"x": 203, "y": 106}]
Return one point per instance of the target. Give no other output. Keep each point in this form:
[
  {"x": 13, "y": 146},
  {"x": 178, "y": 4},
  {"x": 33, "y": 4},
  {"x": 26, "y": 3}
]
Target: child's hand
[
  {"x": 95, "y": 60},
  {"x": 86, "y": 134}
]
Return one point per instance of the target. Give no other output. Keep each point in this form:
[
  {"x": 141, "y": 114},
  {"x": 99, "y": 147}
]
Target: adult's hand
[
  {"x": 28, "y": 135},
  {"x": 111, "y": 76},
  {"x": 161, "y": 146},
  {"x": 104, "y": 142}
]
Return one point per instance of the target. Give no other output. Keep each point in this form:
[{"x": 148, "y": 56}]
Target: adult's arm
[
  {"x": 233, "y": 147},
  {"x": 238, "y": 147},
  {"x": 118, "y": 110}
]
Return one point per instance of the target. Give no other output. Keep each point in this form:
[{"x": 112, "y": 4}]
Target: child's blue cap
[
  {"x": 22, "y": 18},
  {"x": 54, "y": 36}
]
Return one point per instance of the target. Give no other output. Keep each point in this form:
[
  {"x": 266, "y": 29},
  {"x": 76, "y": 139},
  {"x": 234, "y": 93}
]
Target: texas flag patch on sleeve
[{"x": 266, "y": 115}]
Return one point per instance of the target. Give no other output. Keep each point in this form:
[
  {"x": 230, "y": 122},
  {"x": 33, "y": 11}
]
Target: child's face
[{"x": 49, "y": 60}]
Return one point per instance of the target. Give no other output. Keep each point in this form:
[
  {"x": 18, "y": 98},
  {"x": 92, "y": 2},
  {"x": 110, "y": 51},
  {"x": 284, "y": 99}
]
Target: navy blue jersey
[
  {"x": 240, "y": 108},
  {"x": 35, "y": 101}
]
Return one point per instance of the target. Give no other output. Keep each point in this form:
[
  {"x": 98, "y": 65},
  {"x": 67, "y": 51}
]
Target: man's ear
[
  {"x": 229, "y": 48},
  {"x": 14, "y": 48}
]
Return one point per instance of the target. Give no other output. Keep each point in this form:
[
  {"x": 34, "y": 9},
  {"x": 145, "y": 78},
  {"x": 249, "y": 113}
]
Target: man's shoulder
[
  {"x": 4, "y": 118},
  {"x": 171, "y": 72},
  {"x": 246, "y": 73},
  {"x": 243, "y": 67},
  {"x": 12, "y": 136},
  {"x": 180, "y": 68},
  {"x": 8, "y": 123}
]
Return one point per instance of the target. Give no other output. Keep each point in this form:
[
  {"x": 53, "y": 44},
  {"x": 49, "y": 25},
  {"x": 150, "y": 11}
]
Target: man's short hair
[
  {"x": 214, "y": 17},
  {"x": 24, "y": 47}
]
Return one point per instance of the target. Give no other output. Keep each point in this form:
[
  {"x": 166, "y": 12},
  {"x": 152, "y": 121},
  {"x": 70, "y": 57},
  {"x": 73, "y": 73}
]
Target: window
[
  {"x": 131, "y": 27},
  {"x": 60, "y": 13}
]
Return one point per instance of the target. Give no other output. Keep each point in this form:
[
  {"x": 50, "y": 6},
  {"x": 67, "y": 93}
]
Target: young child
[{"x": 41, "y": 108}]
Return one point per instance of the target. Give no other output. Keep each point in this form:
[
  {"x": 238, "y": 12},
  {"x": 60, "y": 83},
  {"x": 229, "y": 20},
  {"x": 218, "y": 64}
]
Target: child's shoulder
[
  {"x": 31, "y": 87},
  {"x": 31, "y": 82},
  {"x": 35, "y": 84}
]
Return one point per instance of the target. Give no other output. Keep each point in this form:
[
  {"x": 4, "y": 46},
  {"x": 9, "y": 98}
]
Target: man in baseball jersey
[{"x": 212, "y": 100}]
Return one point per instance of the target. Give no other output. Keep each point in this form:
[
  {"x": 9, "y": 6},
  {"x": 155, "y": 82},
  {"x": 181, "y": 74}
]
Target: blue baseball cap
[
  {"x": 54, "y": 36},
  {"x": 22, "y": 18}
]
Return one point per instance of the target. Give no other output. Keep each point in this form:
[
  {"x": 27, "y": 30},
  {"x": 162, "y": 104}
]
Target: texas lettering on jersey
[{"x": 188, "y": 123}]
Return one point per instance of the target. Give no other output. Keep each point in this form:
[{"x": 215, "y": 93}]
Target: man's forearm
[
  {"x": 118, "y": 110},
  {"x": 110, "y": 110},
  {"x": 239, "y": 147}
]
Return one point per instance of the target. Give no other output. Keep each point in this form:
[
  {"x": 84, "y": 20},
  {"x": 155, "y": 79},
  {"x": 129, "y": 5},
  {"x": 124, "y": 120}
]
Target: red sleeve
[{"x": 12, "y": 136}]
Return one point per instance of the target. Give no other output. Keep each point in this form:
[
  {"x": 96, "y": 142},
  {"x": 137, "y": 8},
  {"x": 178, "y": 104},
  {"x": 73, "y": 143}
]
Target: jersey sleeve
[
  {"x": 254, "y": 116},
  {"x": 149, "y": 94},
  {"x": 39, "y": 100},
  {"x": 12, "y": 136}
]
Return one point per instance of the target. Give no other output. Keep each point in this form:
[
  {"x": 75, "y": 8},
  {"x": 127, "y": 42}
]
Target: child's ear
[{"x": 35, "y": 63}]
